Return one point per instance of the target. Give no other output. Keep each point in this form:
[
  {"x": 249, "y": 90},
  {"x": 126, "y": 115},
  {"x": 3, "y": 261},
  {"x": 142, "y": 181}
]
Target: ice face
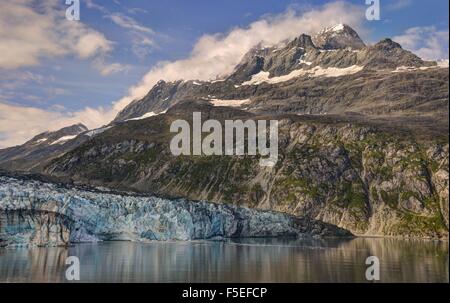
[{"x": 37, "y": 213}]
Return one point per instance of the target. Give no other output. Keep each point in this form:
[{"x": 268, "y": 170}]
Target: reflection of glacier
[
  {"x": 237, "y": 260},
  {"x": 37, "y": 213},
  {"x": 43, "y": 265}
]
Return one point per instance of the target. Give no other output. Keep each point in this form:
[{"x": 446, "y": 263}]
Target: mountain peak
[
  {"x": 336, "y": 28},
  {"x": 339, "y": 36},
  {"x": 304, "y": 41},
  {"x": 388, "y": 43},
  {"x": 74, "y": 129},
  {"x": 69, "y": 131}
]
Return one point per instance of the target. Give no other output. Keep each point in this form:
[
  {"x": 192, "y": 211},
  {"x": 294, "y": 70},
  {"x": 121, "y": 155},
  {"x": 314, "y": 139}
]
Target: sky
[{"x": 55, "y": 72}]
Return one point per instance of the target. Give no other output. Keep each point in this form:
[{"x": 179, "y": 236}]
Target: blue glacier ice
[{"x": 36, "y": 213}]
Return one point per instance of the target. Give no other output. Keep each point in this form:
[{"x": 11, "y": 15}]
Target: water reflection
[{"x": 249, "y": 260}]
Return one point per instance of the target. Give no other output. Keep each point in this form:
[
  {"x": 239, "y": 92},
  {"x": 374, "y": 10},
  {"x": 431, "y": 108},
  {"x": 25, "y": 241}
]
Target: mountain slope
[{"x": 347, "y": 172}]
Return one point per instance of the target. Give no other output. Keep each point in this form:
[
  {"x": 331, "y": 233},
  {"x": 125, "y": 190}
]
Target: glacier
[{"x": 38, "y": 213}]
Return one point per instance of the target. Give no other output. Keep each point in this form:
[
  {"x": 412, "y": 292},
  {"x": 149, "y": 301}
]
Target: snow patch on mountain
[
  {"x": 443, "y": 63},
  {"x": 97, "y": 131},
  {"x": 301, "y": 61},
  {"x": 229, "y": 103},
  {"x": 41, "y": 140},
  {"x": 219, "y": 80},
  {"x": 317, "y": 71},
  {"x": 338, "y": 28},
  {"x": 63, "y": 140},
  {"x": 402, "y": 69},
  {"x": 147, "y": 115}
]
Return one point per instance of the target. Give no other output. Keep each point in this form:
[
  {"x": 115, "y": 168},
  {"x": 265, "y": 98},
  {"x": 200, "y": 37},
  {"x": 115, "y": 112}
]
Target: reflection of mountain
[
  {"x": 363, "y": 137},
  {"x": 42, "y": 265},
  {"x": 279, "y": 261}
]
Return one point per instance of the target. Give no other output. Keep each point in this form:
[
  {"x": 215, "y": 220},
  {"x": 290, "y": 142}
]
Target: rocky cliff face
[
  {"x": 34, "y": 213},
  {"x": 358, "y": 176}
]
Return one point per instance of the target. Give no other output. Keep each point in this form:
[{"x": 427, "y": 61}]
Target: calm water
[{"x": 268, "y": 260}]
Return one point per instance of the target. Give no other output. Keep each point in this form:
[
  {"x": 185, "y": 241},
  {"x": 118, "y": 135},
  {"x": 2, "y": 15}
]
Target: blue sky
[{"x": 131, "y": 37}]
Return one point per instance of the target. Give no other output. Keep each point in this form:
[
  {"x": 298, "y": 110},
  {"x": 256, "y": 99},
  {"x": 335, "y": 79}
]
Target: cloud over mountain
[
  {"x": 212, "y": 56},
  {"x": 427, "y": 42},
  {"x": 216, "y": 55}
]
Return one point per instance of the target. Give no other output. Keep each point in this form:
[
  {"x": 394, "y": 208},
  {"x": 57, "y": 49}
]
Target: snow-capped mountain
[
  {"x": 291, "y": 78},
  {"x": 58, "y": 137},
  {"x": 340, "y": 36},
  {"x": 39, "y": 150}
]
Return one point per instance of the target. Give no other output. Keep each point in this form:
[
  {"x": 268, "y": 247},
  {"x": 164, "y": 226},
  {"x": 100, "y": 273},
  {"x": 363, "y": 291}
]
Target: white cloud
[
  {"x": 13, "y": 82},
  {"x": 107, "y": 69},
  {"x": 93, "y": 5},
  {"x": 427, "y": 42},
  {"x": 136, "y": 10},
  {"x": 18, "y": 78},
  {"x": 398, "y": 5},
  {"x": 212, "y": 56},
  {"x": 30, "y": 32},
  {"x": 129, "y": 23},
  {"x": 57, "y": 91},
  {"x": 142, "y": 37},
  {"x": 90, "y": 44}
]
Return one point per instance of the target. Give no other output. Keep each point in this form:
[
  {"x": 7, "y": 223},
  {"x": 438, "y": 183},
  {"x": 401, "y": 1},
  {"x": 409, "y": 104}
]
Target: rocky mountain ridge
[
  {"x": 341, "y": 59},
  {"x": 36, "y": 152}
]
